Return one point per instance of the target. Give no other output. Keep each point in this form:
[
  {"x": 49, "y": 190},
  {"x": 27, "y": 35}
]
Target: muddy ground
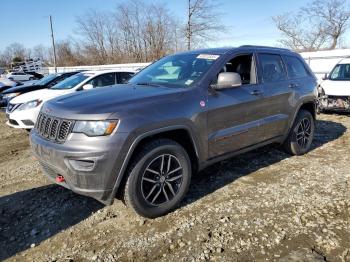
[{"x": 263, "y": 205}]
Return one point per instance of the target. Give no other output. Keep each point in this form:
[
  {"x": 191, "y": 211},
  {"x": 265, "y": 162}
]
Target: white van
[{"x": 334, "y": 91}]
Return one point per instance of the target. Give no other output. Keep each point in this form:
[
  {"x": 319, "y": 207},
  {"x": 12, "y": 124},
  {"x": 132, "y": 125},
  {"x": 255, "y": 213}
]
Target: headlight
[
  {"x": 11, "y": 95},
  {"x": 30, "y": 104},
  {"x": 95, "y": 128},
  {"x": 320, "y": 91}
]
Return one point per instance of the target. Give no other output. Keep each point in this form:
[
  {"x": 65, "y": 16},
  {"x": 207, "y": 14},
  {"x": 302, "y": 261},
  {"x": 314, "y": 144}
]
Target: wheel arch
[
  {"x": 308, "y": 105},
  {"x": 180, "y": 134}
]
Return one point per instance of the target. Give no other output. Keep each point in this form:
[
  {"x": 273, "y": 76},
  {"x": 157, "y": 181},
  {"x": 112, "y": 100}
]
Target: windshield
[
  {"x": 46, "y": 79},
  {"x": 340, "y": 72},
  {"x": 175, "y": 71},
  {"x": 72, "y": 81}
]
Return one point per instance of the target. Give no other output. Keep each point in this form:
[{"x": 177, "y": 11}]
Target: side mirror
[
  {"x": 88, "y": 87},
  {"x": 228, "y": 80},
  {"x": 325, "y": 77}
]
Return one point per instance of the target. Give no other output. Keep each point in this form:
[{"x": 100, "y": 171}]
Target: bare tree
[
  {"x": 202, "y": 21},
  {"x": 300, "y": 37},
  {"x": 99, "y": 34},
  {"x": 40, "y": 51},
  {"x": 319, "y": 25},
  {"x": 15, "y": 52},
  {"x": 146, "y": 31},
  {"x": 333, "y": 16}
]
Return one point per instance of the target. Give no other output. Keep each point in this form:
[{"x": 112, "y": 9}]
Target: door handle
[
  {"x": 256, "y": 92},
  {"x": 293, "y": 85}
]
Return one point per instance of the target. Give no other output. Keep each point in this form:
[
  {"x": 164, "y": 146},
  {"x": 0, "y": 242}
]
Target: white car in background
[
  {"x": 334, "y": 91},
  {"x": 19, "y": 76},
  {"x": 23, "y": 110}
]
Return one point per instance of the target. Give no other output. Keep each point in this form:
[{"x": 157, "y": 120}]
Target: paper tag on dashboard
[
  {"x": 208, "y": 57},
  {"x": 188, "y": 82}
]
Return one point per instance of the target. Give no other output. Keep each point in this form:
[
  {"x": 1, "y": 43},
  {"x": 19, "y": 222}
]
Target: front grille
[
  {"x": 13, "y": 122},
  {"x": 53, "y": 128}
]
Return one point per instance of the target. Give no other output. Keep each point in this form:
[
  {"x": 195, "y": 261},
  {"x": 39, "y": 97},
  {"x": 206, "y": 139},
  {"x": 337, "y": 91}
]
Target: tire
[
  {"x": 301, "y": 135},
  {"x": 144, "y": 189},
  {"x": 31, "y": 78}
]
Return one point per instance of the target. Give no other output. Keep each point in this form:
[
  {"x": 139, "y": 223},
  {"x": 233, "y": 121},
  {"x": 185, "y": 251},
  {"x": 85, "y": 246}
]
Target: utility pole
[
  {"x": 189, "y": 29},
  {"x": 53, "y": 44}
]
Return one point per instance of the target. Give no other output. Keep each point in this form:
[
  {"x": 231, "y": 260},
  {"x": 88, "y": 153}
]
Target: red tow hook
[{"x": 60, "y": 179}]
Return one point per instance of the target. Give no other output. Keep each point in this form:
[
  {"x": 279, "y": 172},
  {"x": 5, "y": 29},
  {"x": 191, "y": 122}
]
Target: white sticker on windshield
[
  {"x": 208, "y": 57},
  {"x": 188, "y": 82}
]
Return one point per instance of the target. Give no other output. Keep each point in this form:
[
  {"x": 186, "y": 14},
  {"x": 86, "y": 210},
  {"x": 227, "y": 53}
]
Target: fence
[
  {"x": 131, "y": 67},
  {"x": 321, "y": 62}
]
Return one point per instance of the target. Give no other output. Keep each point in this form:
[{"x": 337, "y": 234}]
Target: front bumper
[
  {"x": 89, "y": 165},
  {"x": 333, "y": 103},
  {"x": 23, "y": 119}
]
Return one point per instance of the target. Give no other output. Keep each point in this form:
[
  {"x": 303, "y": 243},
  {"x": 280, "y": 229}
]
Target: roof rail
[{"x": 263, "y": 47}]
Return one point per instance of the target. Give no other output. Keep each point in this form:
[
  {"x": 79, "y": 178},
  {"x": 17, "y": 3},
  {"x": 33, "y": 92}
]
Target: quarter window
[
  {"x": 124, "y": 77},
  {"x": 295, "y": 68},
  {"x": 272, "y": 68}
]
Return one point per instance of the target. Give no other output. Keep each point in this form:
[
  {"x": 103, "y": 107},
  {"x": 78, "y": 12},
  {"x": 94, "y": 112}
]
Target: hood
[
  {"x": 336, "y": 88},
  {"x": 43, "y": 94},
  {"x": 23, "y": 88},
  {"x": 4, "y": 88},
  {"x": 108, "y": 100}
]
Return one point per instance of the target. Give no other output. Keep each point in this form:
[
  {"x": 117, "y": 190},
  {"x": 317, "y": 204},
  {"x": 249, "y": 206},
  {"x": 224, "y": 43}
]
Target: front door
[{"x": 235, "y": 114}]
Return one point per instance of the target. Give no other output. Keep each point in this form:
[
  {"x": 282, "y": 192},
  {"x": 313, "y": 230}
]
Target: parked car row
[
  {"x": 143, "y": 140},
  {"x": 23, "y": 76},
  {"x": 6, "y": 84},
  {"x": 46, "y": 82},
  {"x": 25, "y": 101}
]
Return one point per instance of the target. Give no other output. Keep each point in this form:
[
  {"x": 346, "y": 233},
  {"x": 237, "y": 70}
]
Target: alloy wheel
[
  {"x": 161, "y": 179},
  {"x": 303, "y": 133}
]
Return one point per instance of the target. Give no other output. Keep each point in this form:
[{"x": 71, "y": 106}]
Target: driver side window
[{"x": 244, "y": 66}]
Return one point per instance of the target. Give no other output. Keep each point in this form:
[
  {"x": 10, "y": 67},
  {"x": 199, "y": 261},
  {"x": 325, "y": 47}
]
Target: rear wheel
[
  {"x": 301, "y": 134},
  {"x": 158, "y": 178}
]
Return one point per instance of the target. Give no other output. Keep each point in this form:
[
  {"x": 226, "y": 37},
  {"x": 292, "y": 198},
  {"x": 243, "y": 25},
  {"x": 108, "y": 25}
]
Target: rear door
[{"x": 277, "y": 94}]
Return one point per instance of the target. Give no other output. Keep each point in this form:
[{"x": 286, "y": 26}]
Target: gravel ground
[{"x": 263, "y": 205}]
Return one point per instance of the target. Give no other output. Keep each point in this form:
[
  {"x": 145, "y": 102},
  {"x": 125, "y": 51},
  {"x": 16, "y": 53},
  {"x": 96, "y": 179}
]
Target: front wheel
[
  {"x": 301, "y": 134},
  {"x": 158, "y": 178}
]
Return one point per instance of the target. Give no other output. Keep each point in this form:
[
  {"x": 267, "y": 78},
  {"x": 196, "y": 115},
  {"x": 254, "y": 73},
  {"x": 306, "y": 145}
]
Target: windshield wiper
[{"x": 147, "y": 84}]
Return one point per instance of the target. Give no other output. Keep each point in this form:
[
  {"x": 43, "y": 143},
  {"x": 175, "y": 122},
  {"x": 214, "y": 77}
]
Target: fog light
[{"x": 82, "y": 165}]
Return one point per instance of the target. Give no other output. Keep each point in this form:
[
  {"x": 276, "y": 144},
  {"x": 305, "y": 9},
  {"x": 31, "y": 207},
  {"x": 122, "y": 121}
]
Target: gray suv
[{"x": 143, "y": 140}]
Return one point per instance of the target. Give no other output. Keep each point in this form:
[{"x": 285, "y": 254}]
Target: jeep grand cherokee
[{"x": 143, "y": 140}]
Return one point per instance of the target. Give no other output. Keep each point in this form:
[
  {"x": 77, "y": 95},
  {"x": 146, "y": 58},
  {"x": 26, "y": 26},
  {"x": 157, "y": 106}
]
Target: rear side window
[
  {"x": 295, "y": 67},
  {"x": 103, "y": 80},
  {"x": 272, "y": 68}
]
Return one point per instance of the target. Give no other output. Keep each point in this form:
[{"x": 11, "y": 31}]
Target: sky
[{"x": 247, "y": 21}]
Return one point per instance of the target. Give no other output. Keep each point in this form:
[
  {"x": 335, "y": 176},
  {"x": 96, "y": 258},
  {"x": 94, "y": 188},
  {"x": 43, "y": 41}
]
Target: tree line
[{"x": 136, "y": 31}]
